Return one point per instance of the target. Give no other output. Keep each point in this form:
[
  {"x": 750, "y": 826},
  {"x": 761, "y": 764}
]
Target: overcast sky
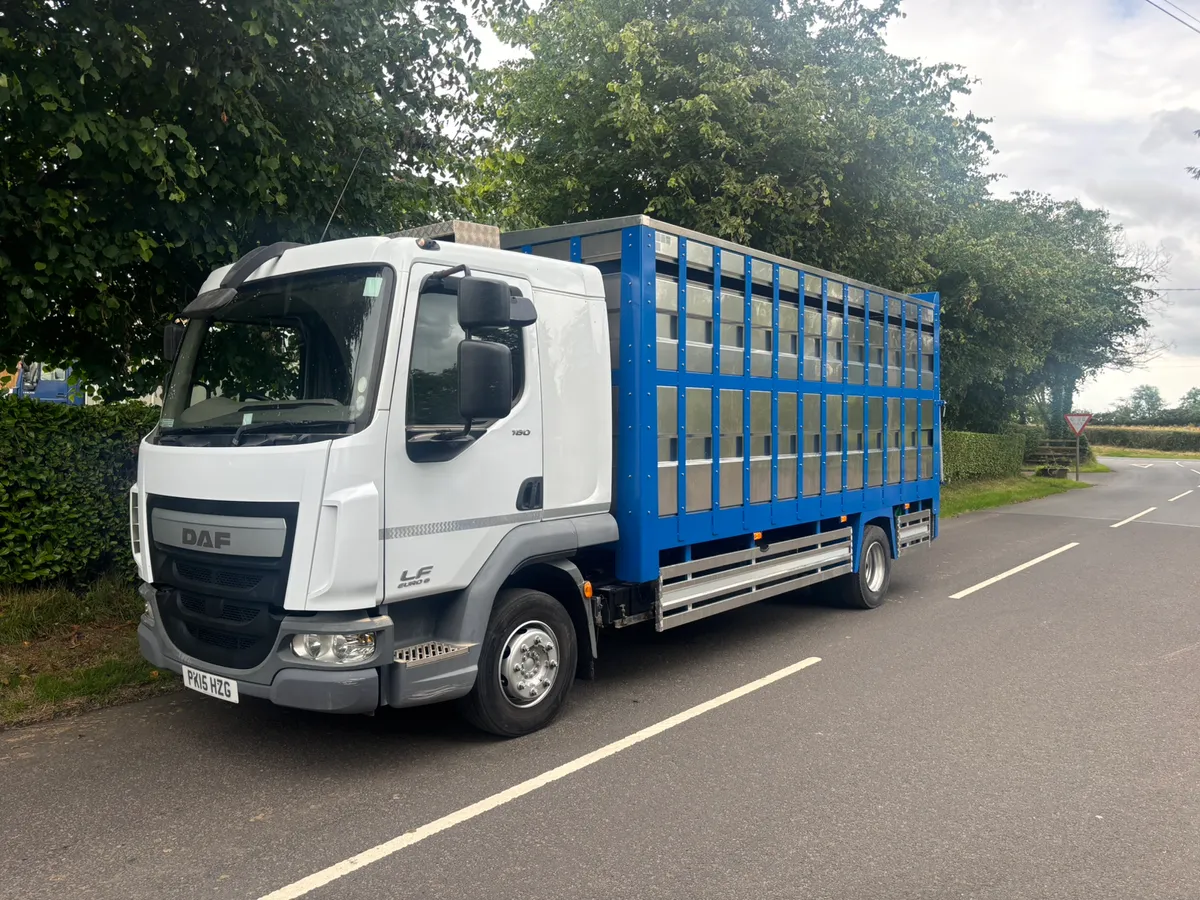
[{"x": 1093, "y": 99}]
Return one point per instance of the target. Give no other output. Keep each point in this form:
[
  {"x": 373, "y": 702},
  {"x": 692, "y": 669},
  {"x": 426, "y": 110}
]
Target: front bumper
[{"x": 285, "y": 680}]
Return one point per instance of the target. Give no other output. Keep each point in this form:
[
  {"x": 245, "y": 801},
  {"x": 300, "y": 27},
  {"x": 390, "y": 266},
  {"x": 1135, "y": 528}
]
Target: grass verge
[
  {"x": 64, "y": 652},
  {"x": 1094, "y": 468},
  {"x": 975, "y": 495},
  {"x": 1126, "y": 453}
]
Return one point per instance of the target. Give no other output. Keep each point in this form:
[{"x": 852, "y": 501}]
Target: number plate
[{"x": 213, "y": 685}]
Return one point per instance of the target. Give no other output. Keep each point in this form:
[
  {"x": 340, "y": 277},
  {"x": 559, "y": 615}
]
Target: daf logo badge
[{"x": 199, "y": 537}]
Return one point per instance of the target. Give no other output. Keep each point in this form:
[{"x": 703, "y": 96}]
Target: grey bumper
[
  {"x": 281, "y": 680},
  {"x": 353, "y": 691}
]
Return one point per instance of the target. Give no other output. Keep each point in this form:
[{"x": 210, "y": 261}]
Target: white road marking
[
  {"x": 1180, "y": 497},
  {"x": 1140, "y": 466},
  {"x": 1181, "y": 650},
  {"x": 1179, "y": 464},
  {"x": 1013, "y": 571},
  {"x": 396, "y": 844},
  {"x": 1196, "y": 471},
  {"x": 1144, "y": 512}
]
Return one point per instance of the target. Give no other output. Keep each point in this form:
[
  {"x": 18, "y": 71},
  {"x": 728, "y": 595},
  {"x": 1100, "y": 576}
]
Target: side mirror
[
  {"x": 483, "y": 303},
  {"x": 172, "y": 340},
  {"x": 484, "y": 378}
]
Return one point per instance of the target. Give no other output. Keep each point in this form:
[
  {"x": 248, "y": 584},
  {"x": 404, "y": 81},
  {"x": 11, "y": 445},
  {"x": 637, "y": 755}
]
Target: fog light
[
  {"x": 341, "y": 649},
  {"x": 148, "y": 613}
]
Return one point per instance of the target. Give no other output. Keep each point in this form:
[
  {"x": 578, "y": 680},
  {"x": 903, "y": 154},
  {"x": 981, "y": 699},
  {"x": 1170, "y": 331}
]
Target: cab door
[{"x": 444, "y": 517}]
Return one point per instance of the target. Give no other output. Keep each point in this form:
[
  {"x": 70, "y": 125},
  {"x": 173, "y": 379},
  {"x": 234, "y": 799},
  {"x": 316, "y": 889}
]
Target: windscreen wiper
[{"x": 289, "y": 427}]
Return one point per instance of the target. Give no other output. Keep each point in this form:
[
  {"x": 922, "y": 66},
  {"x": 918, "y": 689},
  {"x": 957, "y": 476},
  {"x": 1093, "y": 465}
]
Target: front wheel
[
  {"x": 526, "y": 666},
  {"x": 867, "y": 588}
]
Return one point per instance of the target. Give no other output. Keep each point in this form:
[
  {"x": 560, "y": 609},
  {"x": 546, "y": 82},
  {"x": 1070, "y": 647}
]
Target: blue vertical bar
[
  {"x": 637, "y": 488},
  {"x": 681, "y": 397},
  {"x": 866, "y": 460},
  {"x": 800, "y": 330},
  {"x": 774, "y": 387},
  {"x": 904, "y": 392},
  {"x": 576, "y": 249},
  {"x": 845, "y": 382},
  {"x": 716, "y": 388},
  {"x": 938, "y": 407},
  {"x": 887, "y": 383},
  {"x": 747, "y": 353},
  {"x": 800, "y": 385},
  {"x": 824, "y": 378}
]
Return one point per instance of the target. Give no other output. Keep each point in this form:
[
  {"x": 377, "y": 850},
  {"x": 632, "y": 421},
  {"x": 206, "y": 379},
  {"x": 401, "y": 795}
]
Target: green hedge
[
  {"x": 967, "y": 456},
  {"x": 1033, "y": 435},
  {"x": 65, "y": 473},
  {"x": 1145, "y": 437}
]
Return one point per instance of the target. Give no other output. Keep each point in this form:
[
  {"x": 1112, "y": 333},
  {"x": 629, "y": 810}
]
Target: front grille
[
  {"x": 222, "y": 639},
  {"x": 200, "y": 574},
  {"x": 235, "y": 634},
  {"x": 222, "y": 609}
]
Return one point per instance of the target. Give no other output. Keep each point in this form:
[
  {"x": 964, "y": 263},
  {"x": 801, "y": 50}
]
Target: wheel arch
[{"x": 562, "y": 580}]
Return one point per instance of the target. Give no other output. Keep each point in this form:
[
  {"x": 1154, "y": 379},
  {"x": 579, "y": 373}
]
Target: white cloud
[{"x": 1095, "y": 99}]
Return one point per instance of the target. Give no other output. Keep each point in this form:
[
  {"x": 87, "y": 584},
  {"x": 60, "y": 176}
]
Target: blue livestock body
[{"x": 755, "y": 395}]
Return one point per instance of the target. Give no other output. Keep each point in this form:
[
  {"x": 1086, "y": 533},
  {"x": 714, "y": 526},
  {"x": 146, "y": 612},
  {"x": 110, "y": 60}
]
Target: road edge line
[
  {"x": 1144, "y": 512},
  {"x": 388, "y": 848},
  {"x": 1013, "y": 571}
]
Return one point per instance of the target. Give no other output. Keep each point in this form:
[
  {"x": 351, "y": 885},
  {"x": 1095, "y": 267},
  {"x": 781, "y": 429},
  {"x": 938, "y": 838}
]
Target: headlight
[{"x": 341, "y": 649}]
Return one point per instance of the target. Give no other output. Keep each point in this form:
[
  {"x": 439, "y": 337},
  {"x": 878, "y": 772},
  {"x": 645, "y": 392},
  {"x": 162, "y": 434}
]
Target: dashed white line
[
  {"x": 1181, "y": 496},
  {"x": 1021, "y": 568},
  {"x": 1196, "y": 471},
  {"x": 396, "y": 844},
  {"x": 1144, "y": 512}
]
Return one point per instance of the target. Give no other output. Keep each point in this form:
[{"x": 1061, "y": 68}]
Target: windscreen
[{"x": 288, "y": 357}]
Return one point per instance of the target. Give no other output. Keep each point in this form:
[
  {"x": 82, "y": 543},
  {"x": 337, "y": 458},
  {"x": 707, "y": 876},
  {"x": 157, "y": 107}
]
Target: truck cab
[{"x": 313, "y": 472}]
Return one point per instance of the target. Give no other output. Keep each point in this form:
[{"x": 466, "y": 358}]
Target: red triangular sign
[{"x": 1078, "y": 421}]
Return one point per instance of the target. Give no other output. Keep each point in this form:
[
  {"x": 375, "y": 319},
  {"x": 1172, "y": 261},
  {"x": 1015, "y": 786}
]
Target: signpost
[{"x": 1077, "y": 422}]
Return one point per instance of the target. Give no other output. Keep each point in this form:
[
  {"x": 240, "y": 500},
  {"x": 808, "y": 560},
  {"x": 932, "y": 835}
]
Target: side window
[{"x": 433, "y": 375}]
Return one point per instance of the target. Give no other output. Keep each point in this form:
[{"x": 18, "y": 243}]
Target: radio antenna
[{"x": 342, "y": 194}]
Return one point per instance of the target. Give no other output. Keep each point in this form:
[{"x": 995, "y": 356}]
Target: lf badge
[{"x": 413, "y": 579}]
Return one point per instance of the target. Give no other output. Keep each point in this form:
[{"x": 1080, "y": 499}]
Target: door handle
[{"x": 529, "y": 495}]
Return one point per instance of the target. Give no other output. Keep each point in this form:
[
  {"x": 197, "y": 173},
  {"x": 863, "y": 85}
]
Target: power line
[
  {"x": 1182, "y": 10},
  {"x": 1183, "y": 22}
]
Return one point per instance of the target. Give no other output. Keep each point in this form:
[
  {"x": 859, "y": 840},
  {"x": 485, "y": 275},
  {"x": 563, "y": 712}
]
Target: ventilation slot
[{"x": 430, "y": 651}]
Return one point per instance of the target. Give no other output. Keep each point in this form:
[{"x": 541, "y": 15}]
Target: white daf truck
[{"x": 397, "y": 470}]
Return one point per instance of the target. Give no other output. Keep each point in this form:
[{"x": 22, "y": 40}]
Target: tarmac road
[{"x": 1035, "y": 738}]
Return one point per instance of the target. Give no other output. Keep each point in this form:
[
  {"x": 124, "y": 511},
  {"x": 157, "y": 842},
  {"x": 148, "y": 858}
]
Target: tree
[
  {"x": 784, "y": 124},
  {"x": 1037, "y": 296},
  {"x": 146, "y": 143},
  {"x": 1143, "y": 405},
  {"x": 1190, "y": 403}
]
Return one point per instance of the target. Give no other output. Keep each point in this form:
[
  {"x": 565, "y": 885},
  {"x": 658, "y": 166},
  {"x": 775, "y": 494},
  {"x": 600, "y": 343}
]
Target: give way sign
[{"x": 1077, "y": 422}]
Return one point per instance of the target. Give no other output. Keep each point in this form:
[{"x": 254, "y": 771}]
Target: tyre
[
  {"x": 867, "y": 588},
  {"x": 526, "y": 667}
]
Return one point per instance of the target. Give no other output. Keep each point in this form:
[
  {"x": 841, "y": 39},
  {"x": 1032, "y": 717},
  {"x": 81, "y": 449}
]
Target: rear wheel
[
  {"x": 526, "y": 666},
  {"x": 867, "y": 588}
]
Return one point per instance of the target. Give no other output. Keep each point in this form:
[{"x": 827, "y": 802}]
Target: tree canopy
[
  {"x": 784, "y": 124},
  {"x": 146, "y": 143}
]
